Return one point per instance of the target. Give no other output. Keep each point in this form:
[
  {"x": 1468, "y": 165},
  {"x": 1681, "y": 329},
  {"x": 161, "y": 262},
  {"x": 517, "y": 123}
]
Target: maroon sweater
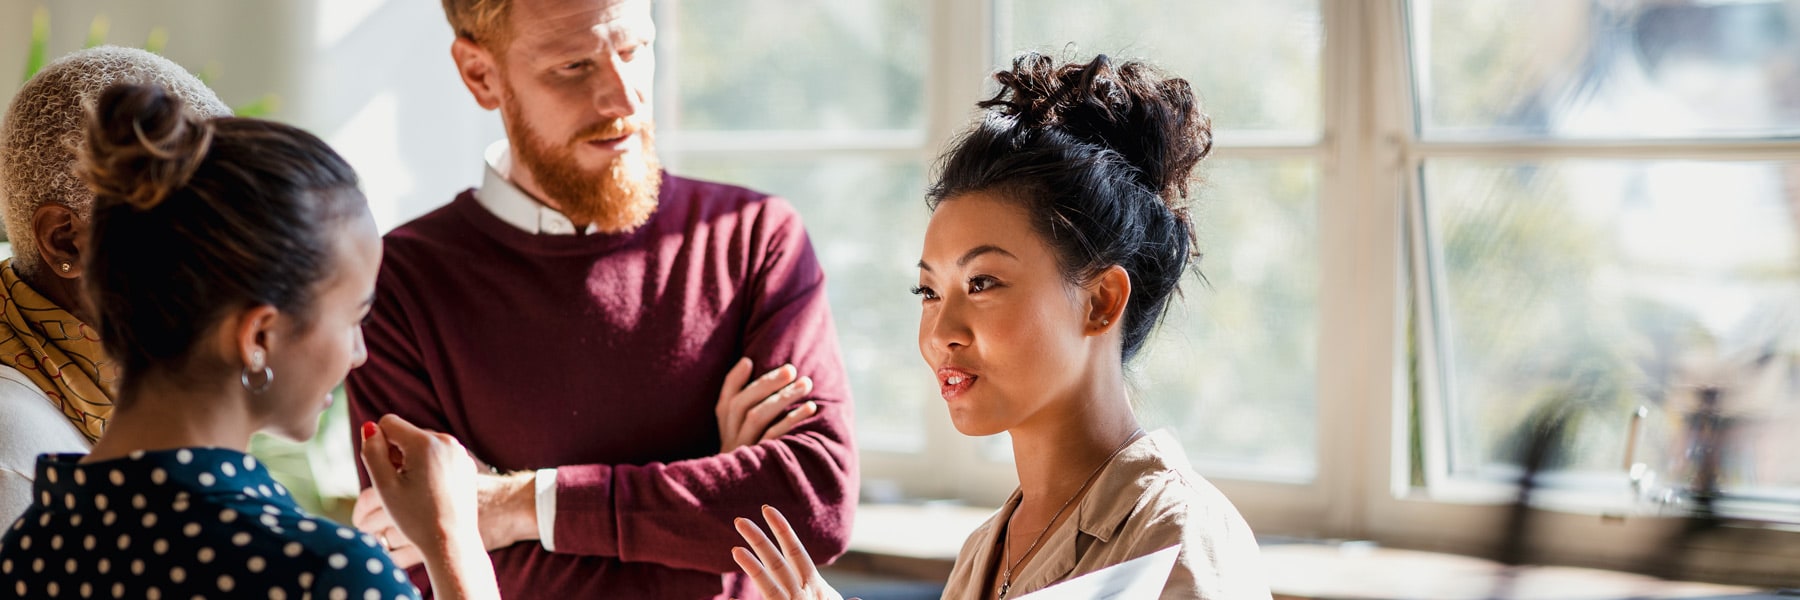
[{"x": 602, "y": 356}]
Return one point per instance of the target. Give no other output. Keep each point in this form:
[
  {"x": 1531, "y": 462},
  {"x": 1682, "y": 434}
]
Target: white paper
[{"x": 1141, "y": 577}]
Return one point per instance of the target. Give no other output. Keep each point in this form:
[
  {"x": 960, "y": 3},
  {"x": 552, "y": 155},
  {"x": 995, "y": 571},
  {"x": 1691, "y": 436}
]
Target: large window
[
  {"x": 1604, "y": 212},
  {"x": 1571, "y": 262},
  {"x": 1425, "y": 225}
]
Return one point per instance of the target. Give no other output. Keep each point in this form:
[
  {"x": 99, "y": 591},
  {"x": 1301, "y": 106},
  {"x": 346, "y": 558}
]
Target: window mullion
[
  {"x": 1537, "y": 150},
  {"x": 1367, "y": 124}
]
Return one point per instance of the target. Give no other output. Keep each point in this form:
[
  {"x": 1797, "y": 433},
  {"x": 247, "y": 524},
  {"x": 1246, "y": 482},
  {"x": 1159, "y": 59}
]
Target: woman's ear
[
  {"x": 60, "y": 236},
  {"x": 1107, "y": 294},
  {"x": 250, "y": 337}
]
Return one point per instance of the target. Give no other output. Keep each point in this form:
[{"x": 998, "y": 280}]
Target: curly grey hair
[{"x": 45, "y": 125}]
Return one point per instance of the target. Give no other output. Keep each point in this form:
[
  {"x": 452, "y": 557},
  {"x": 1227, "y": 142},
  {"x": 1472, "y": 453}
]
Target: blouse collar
[{"x": 63, "y": 481}]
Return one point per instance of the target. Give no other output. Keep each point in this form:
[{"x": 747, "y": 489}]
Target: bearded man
[{"x": 588, "y": 325}]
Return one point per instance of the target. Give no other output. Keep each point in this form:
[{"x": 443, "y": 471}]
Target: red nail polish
[{"x": 368, "y": 429}]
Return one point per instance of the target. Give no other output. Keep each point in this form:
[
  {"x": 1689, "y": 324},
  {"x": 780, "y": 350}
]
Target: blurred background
[{"x": 1424, "y": 223}]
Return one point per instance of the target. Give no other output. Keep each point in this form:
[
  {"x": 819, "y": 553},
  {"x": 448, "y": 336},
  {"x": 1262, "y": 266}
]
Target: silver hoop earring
[{"x": 268, "y": 374}]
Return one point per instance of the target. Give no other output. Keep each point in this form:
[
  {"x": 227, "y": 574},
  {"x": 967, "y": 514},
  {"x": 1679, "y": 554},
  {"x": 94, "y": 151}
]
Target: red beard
[{"x": 617, "y": 198}]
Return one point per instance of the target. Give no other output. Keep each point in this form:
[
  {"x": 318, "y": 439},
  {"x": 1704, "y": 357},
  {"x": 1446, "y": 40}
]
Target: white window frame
[
  {"x": 1461, "y": 516},
  {"x": 1368, "y": 157}
]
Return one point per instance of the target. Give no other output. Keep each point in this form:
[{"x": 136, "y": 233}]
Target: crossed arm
[
  {"x": 748, "y": 412},
  {"x": 785, "y": 439},
  {"x": 431, "y": 479}
]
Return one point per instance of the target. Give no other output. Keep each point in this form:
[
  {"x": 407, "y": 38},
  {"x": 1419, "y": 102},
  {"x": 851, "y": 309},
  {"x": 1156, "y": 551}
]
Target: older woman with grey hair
[{"x": 55, "y": 382}]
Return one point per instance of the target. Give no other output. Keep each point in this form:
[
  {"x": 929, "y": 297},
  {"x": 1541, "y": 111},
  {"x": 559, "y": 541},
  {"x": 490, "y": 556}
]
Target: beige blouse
[{"x": 1146, "y": 499}]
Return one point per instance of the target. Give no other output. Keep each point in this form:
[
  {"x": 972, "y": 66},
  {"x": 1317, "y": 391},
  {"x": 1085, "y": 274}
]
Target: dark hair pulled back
[
  {"x": 195, "y": 217},
  {"x": 1100, "y": 156}
]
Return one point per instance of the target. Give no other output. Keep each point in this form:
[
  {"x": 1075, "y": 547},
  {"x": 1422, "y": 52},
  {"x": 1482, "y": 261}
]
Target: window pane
[
  {"x": 1628, "y": 69},
  {"x": 1256, "y": 64},
  {"x": 739, "y": 65},
  {"x": 1233, "y": 368},
  {"x": 866, "y": 218},
  {"x": 1603, "y": 285}
]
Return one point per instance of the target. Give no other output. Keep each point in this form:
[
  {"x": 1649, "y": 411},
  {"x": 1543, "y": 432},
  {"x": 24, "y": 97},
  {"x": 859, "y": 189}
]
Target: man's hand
[
  {"x": 748, "y": 410},
  {"x": 507, "y": 514}
]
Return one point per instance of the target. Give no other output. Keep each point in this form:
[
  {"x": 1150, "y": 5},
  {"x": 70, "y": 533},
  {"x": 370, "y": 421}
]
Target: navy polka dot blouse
[{"x": 188, "y": 523}]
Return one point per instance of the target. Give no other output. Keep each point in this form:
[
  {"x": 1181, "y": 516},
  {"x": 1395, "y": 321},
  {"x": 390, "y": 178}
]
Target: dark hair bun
[
  {"x": 1151, "y": 120},
  {"x": 143, "y": 144}
]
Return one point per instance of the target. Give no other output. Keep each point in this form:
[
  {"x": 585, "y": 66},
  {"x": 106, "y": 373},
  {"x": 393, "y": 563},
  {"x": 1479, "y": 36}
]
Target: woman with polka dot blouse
[{"x": 231, "y": 262}]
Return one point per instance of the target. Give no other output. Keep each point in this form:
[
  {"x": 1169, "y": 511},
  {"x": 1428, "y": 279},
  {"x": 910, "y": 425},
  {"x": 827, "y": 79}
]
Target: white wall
[{"x": 372, "y": 77}]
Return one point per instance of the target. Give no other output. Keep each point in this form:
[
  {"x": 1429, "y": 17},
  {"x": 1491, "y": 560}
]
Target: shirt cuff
[{"x": 546, "y": 508}]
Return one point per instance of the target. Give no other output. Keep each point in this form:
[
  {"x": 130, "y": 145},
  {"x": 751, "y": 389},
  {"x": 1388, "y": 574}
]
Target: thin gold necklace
[{"x": 1006, "y": 538}]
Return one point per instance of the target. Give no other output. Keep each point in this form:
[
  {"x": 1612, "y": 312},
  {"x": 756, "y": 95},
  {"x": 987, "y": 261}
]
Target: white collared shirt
[{"x": 504, "y": 199}]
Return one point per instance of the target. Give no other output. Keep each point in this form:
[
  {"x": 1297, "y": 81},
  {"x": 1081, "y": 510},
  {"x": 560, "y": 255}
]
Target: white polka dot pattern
[{"x": 185, "y": 523}]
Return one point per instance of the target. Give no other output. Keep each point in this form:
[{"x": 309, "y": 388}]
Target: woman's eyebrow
[{"x": 972, "y": 254}]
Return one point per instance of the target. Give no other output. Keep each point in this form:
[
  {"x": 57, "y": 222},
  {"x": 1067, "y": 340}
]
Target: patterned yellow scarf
[{"x": 56, "y": 351}]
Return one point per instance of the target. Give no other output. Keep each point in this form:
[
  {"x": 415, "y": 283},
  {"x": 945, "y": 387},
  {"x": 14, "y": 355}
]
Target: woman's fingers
[
  {"x": 369, "y": 514},
  {"x": 375, "y": 456},
  {"x": 790, "y": 544},
  {"x": 758, "y": 574},
  {"x": 402, "y": 433},
  {"x": 771, "y": 558},
  {"x": 393, "y": 538},
  {"x": 377, "y": 521},
  {"x": 406, "y": 557}
]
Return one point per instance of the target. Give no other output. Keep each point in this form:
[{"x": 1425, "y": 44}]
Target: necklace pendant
[{"x": 1003, "y": 587}]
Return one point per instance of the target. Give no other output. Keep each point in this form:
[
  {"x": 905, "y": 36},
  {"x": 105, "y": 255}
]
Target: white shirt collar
[{"x": 499, "y": 196}]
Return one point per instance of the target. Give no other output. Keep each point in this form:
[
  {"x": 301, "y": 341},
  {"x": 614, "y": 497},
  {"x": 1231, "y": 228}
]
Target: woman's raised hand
[
  {"x": 425, "y": 478},
  {"x": 784, "y": 573},
  {"x": 427, "y": 482}
]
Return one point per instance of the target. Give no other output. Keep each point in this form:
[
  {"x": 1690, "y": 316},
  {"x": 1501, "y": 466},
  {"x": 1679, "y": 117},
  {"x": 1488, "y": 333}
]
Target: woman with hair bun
[
  {"x": 229, "y": 266},
  {"x": 1058, "y": 234}
]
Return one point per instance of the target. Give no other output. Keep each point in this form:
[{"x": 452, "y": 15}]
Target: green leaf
[{"x": 40, "y": 42}]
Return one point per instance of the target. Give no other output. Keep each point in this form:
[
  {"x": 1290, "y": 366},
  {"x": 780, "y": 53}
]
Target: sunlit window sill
[
  {"x": 893, "y": 543},
  {"x": 1360, "y": 570}
]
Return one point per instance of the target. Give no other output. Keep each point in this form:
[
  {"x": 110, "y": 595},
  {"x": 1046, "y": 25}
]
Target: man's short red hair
[{"x": 484, "y": 22}]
